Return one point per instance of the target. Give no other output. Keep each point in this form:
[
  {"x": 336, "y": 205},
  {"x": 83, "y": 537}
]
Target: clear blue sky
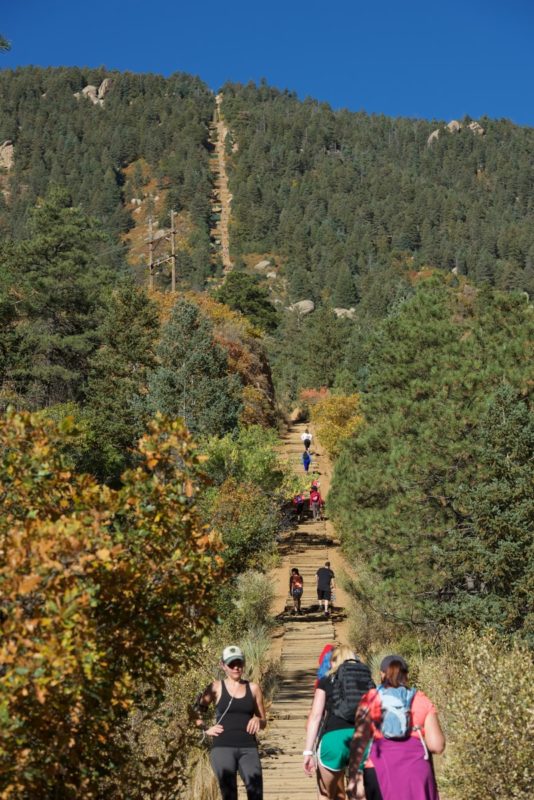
[{"x": 425, "y": 59}]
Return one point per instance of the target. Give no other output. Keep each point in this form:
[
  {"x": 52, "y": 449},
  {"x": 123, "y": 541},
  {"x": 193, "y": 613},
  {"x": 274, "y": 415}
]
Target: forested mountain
[
  {"x": 140, "y": 472},
  {"x": 65, "y": 134},
  {"x": 332, "y": 193}
]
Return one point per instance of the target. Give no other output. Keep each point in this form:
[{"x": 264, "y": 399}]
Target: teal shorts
[{"x": 334, "y": 749}]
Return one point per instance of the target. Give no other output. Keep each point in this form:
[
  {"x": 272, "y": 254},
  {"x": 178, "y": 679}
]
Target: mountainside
[
  {"x": 334, "y": 193},
  {"x": 122, "y": 145}
]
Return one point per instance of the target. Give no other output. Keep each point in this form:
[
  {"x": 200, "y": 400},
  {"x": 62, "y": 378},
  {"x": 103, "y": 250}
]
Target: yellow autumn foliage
[{"x": 336, "y": 417}]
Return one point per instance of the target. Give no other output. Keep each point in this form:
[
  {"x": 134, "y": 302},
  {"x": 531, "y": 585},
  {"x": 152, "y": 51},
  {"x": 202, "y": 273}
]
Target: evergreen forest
[{"x": 143, "y": 493}]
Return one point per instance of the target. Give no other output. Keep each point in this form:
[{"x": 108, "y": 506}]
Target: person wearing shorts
[
  {"x": 334, "y": 734},
  {"x": 325, "y": 585},
  {"x": 296, "y": 588}
]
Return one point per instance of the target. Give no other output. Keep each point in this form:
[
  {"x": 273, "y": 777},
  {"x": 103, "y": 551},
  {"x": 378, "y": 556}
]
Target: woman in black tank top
[{"x": 239, "y": 714}]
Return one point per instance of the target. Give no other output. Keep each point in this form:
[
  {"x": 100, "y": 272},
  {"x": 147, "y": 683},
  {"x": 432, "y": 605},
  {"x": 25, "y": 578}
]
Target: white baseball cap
[{"x": 232, "y": 653}]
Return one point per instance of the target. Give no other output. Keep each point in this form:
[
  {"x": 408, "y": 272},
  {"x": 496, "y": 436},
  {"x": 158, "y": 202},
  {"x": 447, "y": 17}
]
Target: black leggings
[
  {"x": 370, "y": 781},
  {"x": 228, "y": 761}
]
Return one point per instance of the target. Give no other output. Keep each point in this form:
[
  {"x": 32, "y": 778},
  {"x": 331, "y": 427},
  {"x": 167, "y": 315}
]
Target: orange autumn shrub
[{"x": 100, "y": 589}]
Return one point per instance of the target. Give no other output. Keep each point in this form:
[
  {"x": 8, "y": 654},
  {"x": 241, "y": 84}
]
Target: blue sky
[{"x": 399, "y": 58}]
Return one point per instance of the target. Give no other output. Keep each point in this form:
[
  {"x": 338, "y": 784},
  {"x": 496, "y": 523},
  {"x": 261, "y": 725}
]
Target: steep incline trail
[
  {"x": 301, "y": 638},
  {"x": 222, "y": 199}
]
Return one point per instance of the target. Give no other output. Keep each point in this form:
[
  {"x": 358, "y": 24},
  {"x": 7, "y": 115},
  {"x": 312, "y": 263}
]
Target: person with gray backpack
[
  {"x": 330, "y": 725},
  {"x": 402, "y": 726}
]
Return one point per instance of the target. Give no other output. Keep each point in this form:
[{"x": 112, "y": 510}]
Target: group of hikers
[
  {"x": 361, "y": 740},
  {"x": 325, "y": 582}
]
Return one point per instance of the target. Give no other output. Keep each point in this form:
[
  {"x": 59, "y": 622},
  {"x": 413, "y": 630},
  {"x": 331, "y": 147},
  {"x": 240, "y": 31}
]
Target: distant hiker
[
  {"x": 296, "y": 587},
  {"x": 325, "y": 585},
  {"x": 403, "y": 728},
  {"x": 306, "y": 461},
  {"x": 306, "y": 437},
  {"x": 316, "y": 502},
  {"x": 240, "y": 714},
  {"x": 331, "y": 721},
  {"x": 298, "y": 502}
]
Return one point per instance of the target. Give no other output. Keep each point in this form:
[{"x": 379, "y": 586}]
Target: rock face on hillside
[
  {"x": 262, "y": 265},
  {"x": 7, "y": 155},
  {"x": 476, "y": 128},
  {"x": 347, "y": 313},
  {"x": 455, "y": 127},
  {"x": 94, "y": 94},
  {"x": 303, "y": 307}
]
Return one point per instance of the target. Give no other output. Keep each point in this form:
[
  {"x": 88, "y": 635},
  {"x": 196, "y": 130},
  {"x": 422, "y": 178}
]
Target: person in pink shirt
[{"x": 401, "y": 767}]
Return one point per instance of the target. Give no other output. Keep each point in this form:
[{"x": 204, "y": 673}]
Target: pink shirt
[{"x": 421, "y": 707}]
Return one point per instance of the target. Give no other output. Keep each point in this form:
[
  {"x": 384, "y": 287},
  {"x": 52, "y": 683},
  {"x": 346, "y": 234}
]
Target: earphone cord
[{"x": 226, "y": 710}]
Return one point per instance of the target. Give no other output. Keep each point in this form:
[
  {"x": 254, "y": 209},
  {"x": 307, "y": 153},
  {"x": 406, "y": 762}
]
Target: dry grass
[{"x": 484, "y": 690}]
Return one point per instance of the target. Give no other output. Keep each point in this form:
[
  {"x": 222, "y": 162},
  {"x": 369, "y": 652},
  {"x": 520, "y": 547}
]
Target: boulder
[
  {"x": 347, "y": 313},
  {"x": 303, "y": 307},
  {"x": 454, "y": 126},
  {"x": 7, "y": 154},
  {"x": 261, "y": 265},
  {"x": 434, "y": 136},
  {"x": 271, "y": 275},
  {"x": 104, "y": 88},
  {"x": 475, "y": 127},
  {"x": 91, "y": 92}
]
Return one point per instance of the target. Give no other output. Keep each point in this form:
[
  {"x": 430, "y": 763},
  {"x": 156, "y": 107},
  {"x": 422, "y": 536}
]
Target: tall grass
[{"x": 483, "y": 687}]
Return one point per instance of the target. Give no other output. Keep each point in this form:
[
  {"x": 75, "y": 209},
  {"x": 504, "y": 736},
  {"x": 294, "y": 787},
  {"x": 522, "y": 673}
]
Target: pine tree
[
  {"x": 192, "y": 380},
  {"x": 61, "y": 280},
  {"x": 114, "y": 409}
]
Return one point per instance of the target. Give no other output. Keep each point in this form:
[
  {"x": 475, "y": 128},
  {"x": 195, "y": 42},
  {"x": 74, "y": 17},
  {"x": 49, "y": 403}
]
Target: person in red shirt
[
  {"x": 296, "y": 587},
  {"x": 395, "y": 768},
  {"x": 316, "y": 502}
]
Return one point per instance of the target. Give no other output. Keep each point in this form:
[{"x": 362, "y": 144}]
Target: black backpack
[{"x": 349, "y": 683}]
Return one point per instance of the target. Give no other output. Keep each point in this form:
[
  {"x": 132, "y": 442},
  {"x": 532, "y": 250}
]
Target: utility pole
[
  {"x": 150, "y": 256},
  {"x": 173, "y": 254},
  {"x": 153, "y": 242}
]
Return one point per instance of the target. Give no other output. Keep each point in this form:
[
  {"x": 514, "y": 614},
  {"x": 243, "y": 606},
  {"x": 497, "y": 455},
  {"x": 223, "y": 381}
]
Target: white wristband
[{"x": 307, "y": 752}]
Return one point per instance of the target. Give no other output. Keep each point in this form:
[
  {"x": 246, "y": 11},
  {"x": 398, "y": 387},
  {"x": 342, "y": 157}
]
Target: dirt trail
[
  {"x": 222, "y": 199},
  {"x": 300, "y": 639}
]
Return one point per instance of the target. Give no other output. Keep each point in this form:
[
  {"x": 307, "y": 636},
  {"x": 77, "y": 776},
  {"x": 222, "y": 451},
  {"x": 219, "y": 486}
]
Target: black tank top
[{"x": 235, "y": 720}]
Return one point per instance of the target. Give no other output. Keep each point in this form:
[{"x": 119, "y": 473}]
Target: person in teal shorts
[{"x": 330, "y": 732}]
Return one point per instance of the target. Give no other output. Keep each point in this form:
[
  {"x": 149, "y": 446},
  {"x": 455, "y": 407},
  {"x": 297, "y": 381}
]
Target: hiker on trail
[
  {"x": 240, "y": 714},
  {"x": 296, "y": 587},
  {"x": 306, "y": 437},
  {"x": 298, "y": 502},
  {"x": 403, "y": 729},
  {"x": 316, "y": 503},
  {"x": 325, "y": 585},
  {"x": 306, "y": 461},
  {"x": 331, "y": 721}
]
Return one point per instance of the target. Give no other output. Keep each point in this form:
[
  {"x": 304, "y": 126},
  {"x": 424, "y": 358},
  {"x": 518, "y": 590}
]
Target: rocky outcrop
[
  {"x": 455, "y": 127},
  {"x": 346, "y": 313},
  {"x": 262, "y": 265},
  {"x": 7, "y": 155},
  {"x": 476, "y": 128},
  {"x": 94, "y": 94},
  {"x": 104, "y": 88},
  {"x": 303, "y": 307}
]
